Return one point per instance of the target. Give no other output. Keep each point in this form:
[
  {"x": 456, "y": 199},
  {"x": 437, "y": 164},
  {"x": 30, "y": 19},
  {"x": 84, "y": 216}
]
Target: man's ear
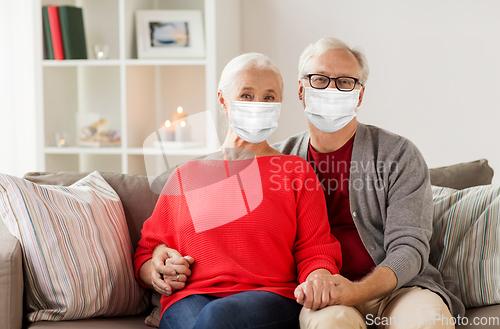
[
  {"x": 361, "y": 94},
  {"x": 222, "y": 101},
  {"x": 301, "y": 89}
]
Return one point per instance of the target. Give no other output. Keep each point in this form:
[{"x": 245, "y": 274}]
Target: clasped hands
[
  {"x": 322, "y": 289},
  {"x": 169, "y": 270}
]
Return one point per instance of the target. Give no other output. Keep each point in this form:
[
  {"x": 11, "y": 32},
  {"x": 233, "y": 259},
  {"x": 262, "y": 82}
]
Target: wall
[
  {"x": 18, "y": 117},
  {"x": 434, "y": 66},
  {"x": 406, "y": 42}
]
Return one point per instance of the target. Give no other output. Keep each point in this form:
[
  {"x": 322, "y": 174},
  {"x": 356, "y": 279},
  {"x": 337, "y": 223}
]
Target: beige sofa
[{"x": 138, "y": 202}]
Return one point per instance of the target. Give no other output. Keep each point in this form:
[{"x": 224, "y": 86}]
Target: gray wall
[{"x": 453, "y": 44}]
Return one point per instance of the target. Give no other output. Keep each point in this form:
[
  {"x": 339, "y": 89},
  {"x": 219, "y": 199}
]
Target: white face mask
[
  {"x": 330, "y": 109},
  {"x": 254, "y": 122}
]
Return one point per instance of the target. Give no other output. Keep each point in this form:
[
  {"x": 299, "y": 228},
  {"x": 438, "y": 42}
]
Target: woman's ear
[{"x": 222, "y": 101}]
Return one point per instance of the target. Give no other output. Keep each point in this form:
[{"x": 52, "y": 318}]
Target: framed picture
[{"x": 170, "y": 34}]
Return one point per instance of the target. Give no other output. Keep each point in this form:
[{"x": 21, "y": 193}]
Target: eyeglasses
[{"x": 320, "y": 81}]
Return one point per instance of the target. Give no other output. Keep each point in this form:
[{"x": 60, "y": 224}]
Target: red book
[{"x": 55, "y": 30}]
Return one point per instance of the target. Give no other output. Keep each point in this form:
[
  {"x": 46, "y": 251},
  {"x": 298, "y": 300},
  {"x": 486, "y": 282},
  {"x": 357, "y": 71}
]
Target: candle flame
[
  {"x": 100, "y": 54},
  {"x": 62, "y": 142},
  {"x": 183, "y": 123},
  {"x": 179, "y": 109},
  {"x": 167, "y": 123}
]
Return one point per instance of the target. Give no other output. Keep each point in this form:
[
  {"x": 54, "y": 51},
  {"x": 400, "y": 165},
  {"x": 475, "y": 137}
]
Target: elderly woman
[{"x": 229, "y": 211}]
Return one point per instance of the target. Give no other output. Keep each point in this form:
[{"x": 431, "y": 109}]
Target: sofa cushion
[
  {"x": 462, "y": 175},
  {"x": 466, "y": 239},
  {"x": 487, "y": 317},
  {"x": 124, "y": 322},
  {"x": 137, "y": 198},
  {"x": 76, "y": 248}
]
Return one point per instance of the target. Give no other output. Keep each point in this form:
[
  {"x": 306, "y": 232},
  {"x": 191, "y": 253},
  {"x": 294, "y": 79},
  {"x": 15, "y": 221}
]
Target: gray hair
[
  {"x": 325, "y": 44},
  {"x": 242, "y": 63}
]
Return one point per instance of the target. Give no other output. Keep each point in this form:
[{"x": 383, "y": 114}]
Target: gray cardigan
[{"x": 391, "y": 204}]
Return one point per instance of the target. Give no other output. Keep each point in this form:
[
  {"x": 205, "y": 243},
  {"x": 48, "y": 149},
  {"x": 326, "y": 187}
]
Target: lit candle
[
  {"x": 178, "y": 115},
  {"x": 183, "y": 132},
  {"x": 167, "y": 132},
  {"x": 101, "y": 51},
  {"x": 61, "y": 140}
]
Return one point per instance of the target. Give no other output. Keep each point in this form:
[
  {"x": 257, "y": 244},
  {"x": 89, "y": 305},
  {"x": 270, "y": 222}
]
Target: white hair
[
  {"x": 325, "y": 44},
  {"x": 242, "y": 63}
]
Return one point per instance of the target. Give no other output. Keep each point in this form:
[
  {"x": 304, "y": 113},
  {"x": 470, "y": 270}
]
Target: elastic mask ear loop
[
  {"x": 242, "y": 189},
  {"x": 225, "y": 162}
]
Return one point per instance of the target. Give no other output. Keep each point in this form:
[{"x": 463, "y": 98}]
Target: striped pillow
[
  {"x": 466, "y": 241},
  {"x": 77, "y": 252}
]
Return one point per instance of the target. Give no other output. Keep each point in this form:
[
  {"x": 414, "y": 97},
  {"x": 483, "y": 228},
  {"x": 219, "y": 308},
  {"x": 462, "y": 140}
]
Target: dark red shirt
[{"x": 332, "y": 170}]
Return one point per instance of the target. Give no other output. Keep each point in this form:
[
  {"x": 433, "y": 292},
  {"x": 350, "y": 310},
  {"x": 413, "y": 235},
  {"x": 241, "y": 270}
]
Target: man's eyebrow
[
  {"x": 324, "y": 73},
  {"x": 270, "y": 90}
]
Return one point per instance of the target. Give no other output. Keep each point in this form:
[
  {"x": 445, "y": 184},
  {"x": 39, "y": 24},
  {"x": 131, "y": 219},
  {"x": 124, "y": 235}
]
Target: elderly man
[{"x": 379, "y": 200}]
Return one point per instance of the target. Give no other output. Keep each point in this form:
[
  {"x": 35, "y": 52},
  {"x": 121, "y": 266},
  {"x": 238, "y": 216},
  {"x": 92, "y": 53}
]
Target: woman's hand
[
  {"x": 167, "y": 271},
  {"x": 315, "y": 292}
]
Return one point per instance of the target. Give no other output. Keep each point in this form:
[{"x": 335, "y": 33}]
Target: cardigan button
[{"x": 354, "y": 214}]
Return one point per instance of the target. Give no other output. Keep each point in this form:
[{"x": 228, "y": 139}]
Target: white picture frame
[{"x": 170, "y": 34}]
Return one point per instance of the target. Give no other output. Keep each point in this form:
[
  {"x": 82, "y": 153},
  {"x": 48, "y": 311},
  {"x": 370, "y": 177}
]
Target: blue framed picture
[{"x": 169, "y": 34}]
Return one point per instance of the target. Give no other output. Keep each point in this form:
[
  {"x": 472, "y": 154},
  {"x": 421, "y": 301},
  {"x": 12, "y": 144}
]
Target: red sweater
[{"x": 244, "y": 232}]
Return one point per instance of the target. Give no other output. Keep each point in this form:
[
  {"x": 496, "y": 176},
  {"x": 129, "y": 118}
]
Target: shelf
[
  {"x": 167, "y": 62},
  {"x": 134, "y": 95},
  {"x": 81, "y": 62},
  {"x": 83, "y": 150},
  {"x": 157, "y": 151},
  {"x": 132, "y": 62},
  {"x": 130, "y": 151}
]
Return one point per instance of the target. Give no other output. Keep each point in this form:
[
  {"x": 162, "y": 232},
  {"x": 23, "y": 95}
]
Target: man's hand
[
  {"x": 167, "y": 271},
  {"x": 321, "y": 290}
]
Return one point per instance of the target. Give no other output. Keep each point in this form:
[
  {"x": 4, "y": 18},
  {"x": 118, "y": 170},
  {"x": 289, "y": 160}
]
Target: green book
[
  {"x": 48, "y": 50},
  {"x": 73, "y": 33}
]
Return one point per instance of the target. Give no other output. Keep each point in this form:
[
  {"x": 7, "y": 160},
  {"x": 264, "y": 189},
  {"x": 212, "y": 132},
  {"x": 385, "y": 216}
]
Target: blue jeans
[{"x": 249, "y": 309}]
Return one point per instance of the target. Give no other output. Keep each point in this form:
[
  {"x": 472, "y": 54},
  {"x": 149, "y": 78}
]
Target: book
[
  {"x": 48, "y": 50},
  {"x": 73, "y": 32},
  {"x": 55, "y": 32}
]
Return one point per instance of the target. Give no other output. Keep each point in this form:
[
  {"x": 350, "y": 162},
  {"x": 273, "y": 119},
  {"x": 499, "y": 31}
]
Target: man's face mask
[{"x": 330, "y": 109}]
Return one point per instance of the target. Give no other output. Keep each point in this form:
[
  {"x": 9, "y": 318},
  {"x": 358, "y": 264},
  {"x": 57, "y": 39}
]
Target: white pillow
[
  {"x": 465, "y": 243},
  {"x": 77, "y": 253}
]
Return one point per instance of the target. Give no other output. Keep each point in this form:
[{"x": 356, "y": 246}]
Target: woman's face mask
[
  {"x": 254, "y": 122},
  {"x": 253, "y": 106}
]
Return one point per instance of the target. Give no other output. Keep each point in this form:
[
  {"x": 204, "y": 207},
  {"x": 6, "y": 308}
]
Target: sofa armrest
[{"x": 11, "y": 280}]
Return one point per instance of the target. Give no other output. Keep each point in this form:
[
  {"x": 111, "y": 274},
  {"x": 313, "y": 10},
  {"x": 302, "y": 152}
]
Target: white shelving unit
[{"x": 134, "y": 95}]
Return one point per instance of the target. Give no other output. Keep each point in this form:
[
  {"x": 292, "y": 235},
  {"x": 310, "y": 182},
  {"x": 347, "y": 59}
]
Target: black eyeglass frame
[{"x": 356, "y": 80}]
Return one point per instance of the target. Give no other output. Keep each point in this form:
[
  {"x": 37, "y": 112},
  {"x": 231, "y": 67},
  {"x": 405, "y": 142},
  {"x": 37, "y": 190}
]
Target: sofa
[{"x": 138, "y": 203}]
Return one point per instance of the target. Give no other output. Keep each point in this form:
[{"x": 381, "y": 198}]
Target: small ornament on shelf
[{"x": 96, "y": 135}]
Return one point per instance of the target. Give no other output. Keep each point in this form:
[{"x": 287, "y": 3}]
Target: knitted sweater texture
[{"x": 258, "y": 224}]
